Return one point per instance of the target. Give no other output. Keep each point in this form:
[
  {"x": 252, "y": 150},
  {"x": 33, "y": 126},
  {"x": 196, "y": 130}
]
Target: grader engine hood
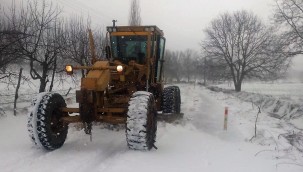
[{"x": 97, "y": 80}]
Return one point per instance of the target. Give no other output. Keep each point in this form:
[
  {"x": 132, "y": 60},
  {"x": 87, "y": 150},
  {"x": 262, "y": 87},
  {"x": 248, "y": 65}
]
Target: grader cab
[{"x": 126, "y": 88}]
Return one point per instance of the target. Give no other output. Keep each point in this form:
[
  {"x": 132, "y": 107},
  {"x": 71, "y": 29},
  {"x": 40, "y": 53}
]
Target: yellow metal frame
[{"x": 129, "y": 33}]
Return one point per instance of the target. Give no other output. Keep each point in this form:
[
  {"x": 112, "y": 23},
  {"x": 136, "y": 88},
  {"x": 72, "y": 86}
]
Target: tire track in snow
[
  {"x": 77, "y": 154},
  {"x": 189, "y": 146},
  {"x": 206, "y": 112}
]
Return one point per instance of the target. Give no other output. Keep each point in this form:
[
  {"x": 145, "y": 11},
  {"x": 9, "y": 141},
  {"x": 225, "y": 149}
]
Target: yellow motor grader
[{"x": 126, "y": 88}]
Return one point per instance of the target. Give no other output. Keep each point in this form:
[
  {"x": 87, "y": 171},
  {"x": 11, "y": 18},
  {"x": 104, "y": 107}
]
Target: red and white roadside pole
[{"x": 225, "y": 118}]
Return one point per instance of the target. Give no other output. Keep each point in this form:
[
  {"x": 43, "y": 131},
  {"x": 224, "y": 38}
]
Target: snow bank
[
  {"x": 276, "y": 107},
  {"x": 290, "y": 111}
]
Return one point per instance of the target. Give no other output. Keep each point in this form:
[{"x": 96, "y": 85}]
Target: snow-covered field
[
  {"x": 195, "y": 143},
  {"x": 283, "y": 100},
  {"x": 289, "y": 90}
]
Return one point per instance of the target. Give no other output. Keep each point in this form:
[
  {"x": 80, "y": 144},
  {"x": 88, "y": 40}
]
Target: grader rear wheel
[
  {"x": 141, "y": 124},
  {"x": 171, "y": 100}
]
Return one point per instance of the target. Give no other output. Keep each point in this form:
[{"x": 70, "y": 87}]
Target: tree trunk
[
  {"x": 237, "y": 82},
  {"x": 53, "y": 75},
  {"x": 43, "y": 83},
  {"x": 17, "y": 90},
  {"x": 44, "y": 78},
  {"x": 238, "y": 86}
]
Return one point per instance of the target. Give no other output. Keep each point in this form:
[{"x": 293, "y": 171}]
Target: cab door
[{"x": 160, "y": 59}]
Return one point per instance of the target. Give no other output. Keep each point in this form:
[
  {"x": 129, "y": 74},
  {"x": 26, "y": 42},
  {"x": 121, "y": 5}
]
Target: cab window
[{"x": 126, "y": 48}]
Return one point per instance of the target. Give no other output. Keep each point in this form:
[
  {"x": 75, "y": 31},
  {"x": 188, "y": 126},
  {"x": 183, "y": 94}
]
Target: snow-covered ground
[
  {"x": 283, "y": 100},
  {"x": 195, "y": 143},
  {"x": 287, "y": 90}
]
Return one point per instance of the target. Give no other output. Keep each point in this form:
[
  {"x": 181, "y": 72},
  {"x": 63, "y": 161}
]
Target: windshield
[{"x": 126, "y": 48}]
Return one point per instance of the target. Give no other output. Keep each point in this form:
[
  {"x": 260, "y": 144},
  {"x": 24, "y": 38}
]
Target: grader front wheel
[
  {"x": 141, "y": 124},
  {"x": 45, "y": 128}
]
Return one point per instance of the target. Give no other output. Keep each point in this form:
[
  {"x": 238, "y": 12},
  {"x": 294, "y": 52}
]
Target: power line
[
  {"x": 96, "y": 11},
  {"x": 78, "y": 6}
]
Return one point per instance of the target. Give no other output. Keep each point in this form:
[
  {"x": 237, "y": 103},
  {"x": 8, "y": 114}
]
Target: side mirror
[{"x": 107, "y": 52}]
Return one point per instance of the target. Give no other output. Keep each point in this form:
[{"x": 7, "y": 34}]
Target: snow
[
  {"x": 195, "y": 143},
  {"x": 32, "y": 119},
  {"x": 281, "y": 89}
]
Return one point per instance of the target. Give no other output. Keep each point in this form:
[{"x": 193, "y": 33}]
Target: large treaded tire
[
  {"x": 44, "y": 127},
  {"x": 171, "y": 100},
  {"x": 141, "y": 124}
]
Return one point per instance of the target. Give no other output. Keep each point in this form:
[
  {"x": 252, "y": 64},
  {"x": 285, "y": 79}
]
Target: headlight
[
  {"x": 119, "y": 68},
  {"x": 69, "y": 69}
]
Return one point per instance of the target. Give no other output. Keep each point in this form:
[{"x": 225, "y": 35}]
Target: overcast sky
[{"x": 182, "y": 21}]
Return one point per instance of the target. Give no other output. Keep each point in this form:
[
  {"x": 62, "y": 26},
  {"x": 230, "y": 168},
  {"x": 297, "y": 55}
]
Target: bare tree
[
  {"x": 173, "y": 65},
  {"x": 5, "y": 48},
  {"x": 5, "y": 43},
  {"x": 77, "y": 47},
  {"x": 214, "y": 69},
  {"x": 188, "y": 63},
  {"x": 181, "y": 65},
  {"x": 246, "y": 45},
  {"x": 8, "y": 50},
  {"x": 9, "y": 36},
  {"x": 134, "y": 14},
  {"x": 42, "y": 48},
  {"x": 100, "y": 42},
  {"x": 167, "y": 67},
  {"x": 288, "y": 16}
]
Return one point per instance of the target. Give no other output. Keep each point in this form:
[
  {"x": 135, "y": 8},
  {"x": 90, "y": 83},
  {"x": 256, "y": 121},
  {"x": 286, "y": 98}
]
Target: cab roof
[{"x": 150, "y": 28}]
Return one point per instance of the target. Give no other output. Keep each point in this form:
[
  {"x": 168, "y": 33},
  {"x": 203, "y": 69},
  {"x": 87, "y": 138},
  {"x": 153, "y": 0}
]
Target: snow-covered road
[{"x": 196, "y": 143}]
